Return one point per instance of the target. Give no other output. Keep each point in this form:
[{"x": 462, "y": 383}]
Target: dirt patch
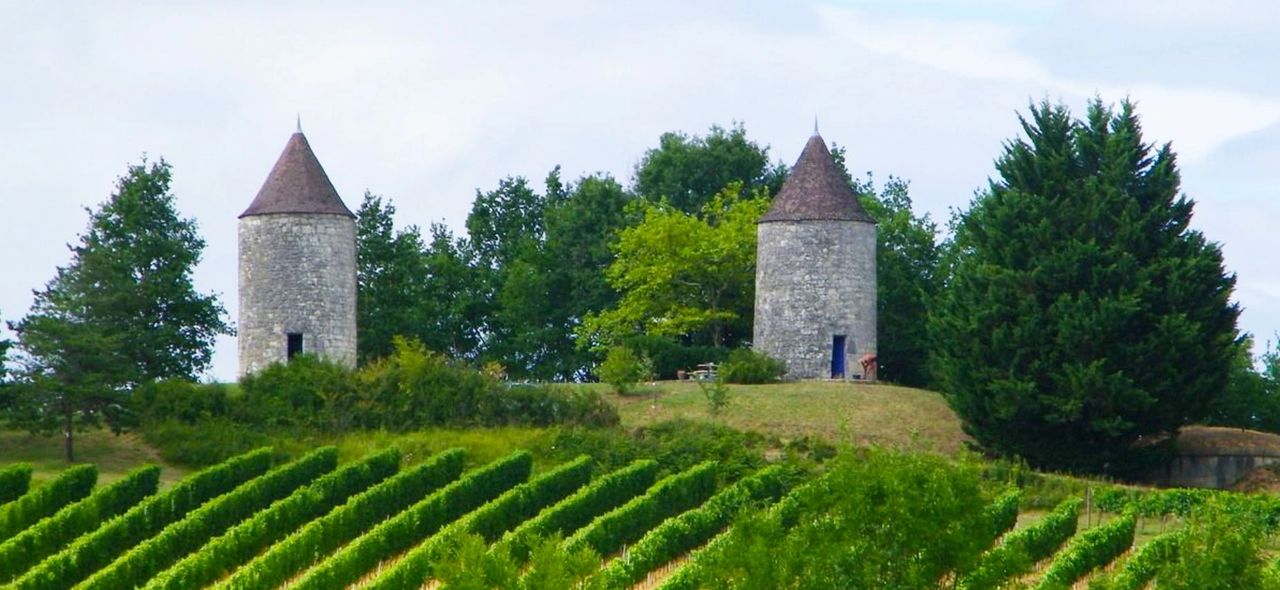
[{"x": 1262, "y": 479}]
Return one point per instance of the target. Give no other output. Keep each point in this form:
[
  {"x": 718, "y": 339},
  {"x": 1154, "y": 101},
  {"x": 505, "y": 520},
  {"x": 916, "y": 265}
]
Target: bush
[
  {"x": 97, "y": 549},
  {"x": 70, "y": 485},
  {"x": 490, "y": 520},
  {"x": 50, "y": 535},
  {"x": 689, "y": 530},
  {"x": 404, "y": 530},
  {"x": 205, "y": 443},
  {"x": 1139, "y": 569},
  {"x": 213, "y": 518},
  {"x": 1090, "y": 550},
  {"x": 239, "y": 544},
  {"x": 600, "y": 496},
  {"x": 15, "y": 480},
  {"x": 623, "y": 369},
  {"x": 1023, "y": 548},
  {"x": 181, "y": 401},
  {"x": 318, "y": 538},
  {"x": 627, "y": 523},
  {"x": 748, "y": 367},
  {"x": 669, "y": 356},
  {"x": 306, "y": 391}
]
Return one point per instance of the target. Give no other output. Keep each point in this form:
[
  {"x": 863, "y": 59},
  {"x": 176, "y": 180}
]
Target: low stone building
[
  {"x": 297, "y": 266},
  {"x": 816, "y": 273},
  {"x": 1217, "y": 457}
]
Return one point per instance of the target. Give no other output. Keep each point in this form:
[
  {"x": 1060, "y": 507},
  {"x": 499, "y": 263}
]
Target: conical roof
[
  {"x": 297, "y": 184},
  {"x": 816, "y": 190}
]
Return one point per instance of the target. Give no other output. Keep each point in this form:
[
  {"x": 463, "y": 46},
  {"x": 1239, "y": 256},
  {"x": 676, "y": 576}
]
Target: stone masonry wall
[
  {"x": 814, "y": 280},
  {"x": 297, "y": 275}
]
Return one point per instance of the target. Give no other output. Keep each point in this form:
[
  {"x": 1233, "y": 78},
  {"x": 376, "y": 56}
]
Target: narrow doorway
[
  {"x": 294, "y": 346},
  {"x": 837, "y": 356}
]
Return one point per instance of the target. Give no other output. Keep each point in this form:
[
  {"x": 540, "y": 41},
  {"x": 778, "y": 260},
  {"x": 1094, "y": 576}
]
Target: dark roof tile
[
  {"x": 816, "y": 190},
  {"x": 297, "y": 184}
]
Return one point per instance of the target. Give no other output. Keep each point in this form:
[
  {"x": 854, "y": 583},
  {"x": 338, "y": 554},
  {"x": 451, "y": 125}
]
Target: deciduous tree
[
  {"x": 122, "y": 312},
  {"x": 687, "y": 171},
  {"x": 685, "y": 275}
]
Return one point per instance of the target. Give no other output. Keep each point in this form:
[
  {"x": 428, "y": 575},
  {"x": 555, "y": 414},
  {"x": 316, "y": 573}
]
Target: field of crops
[{"x": 877, "y": 520}]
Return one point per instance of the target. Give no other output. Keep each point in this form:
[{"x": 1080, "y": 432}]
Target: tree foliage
[
  {"x": 687, "y": 171},
  {"x": 686, "y": 275},
  {"x": 123, "y": 312},
  {"x": 1079, "y": 304}
]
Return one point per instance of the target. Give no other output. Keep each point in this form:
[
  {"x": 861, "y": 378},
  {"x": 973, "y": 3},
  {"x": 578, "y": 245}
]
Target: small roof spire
[
  {"x": 815, "y": 125},
  {"x": 300, "y": 124}
]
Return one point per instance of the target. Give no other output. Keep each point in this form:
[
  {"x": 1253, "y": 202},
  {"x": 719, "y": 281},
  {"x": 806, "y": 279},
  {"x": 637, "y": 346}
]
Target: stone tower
[
  {"x": 297, "y": 266},
  {"x": 816, "y": 273}
]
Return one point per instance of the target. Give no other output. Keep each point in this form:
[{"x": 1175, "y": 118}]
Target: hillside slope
[{"x": 857, "y": 413}]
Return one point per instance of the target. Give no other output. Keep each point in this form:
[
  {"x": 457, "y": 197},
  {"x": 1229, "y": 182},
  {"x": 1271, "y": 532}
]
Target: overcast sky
[{"x": 424, "y": 102}]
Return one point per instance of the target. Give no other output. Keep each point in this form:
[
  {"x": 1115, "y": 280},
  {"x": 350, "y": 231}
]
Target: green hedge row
[
  {"x": 320, "y": 537},
  {"x": 1002, "y": 513},
  {"x": 213, "y": 518},
  {"x": 70, "y": 485},
  {"x": 1174, "y": 501},
  {"x": 488, "y": 521},
  {"x": 1088, "y": 551},
  {"x": 576, "y": 511},
  {"x": 1023, "y": 548},
  {"x": 50, "y": 535},
  {"x": 404, "y": 530},
  {"x": 245, "y": 540},
  {"x": 15, "y": 480},
  {"x": 627, "y": 523},
  {"x": 689, "y": 576},
  {"x": 680, "y": 534},
  {"x": 1141, "y": 567},
  {"x": 91, "y": 552}
]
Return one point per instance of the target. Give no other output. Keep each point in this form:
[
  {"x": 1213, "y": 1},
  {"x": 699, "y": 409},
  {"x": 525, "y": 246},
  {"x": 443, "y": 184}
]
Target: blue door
[{"x": 837, "y": 356}]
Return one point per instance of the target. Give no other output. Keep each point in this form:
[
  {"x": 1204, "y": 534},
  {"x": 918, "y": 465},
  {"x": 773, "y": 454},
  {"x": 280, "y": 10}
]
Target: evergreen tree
[
  {"x": 1081, "y": 311},
  {"x": 123, "y": 312}
]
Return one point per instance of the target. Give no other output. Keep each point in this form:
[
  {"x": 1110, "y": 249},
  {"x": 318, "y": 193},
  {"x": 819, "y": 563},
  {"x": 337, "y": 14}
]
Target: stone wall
[
  {"x": 814, "y": 280},
  {"x": 297, "y": 275},
  {"x": 1210, "y": 471}
]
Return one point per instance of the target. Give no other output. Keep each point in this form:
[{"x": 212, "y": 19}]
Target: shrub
[
  {"x": 716, "y": 393},
  {"x": 306, "y": 391},
  {"x": 140, "y": 563},
  {"x": 1023, "y": 548},
  {"x": 623, "y": 369},
  {"x": 181, "y": 401},
  {"x": 242, "y": 542},
  {"x": 204, "y": 443},
  {"x": 70, "y": 485},
  {"x": 748, "y": 367},
  {"x": 50, "y": 535},
  {"x": 1087, "y": 551},
  {"x": 1221, "y": 549},
  {"x": 488, "y": 521},
  {"x": 320, "y": 537},
  {"x": 404, "y": 530},
  {"x": 99, "y": 548},
  {"x": 1139, "y": 569},
  {"x": 627, "y": 523},
  {"x": 15, "y": 480},
  {"x": 670, "y": 356},
  {"x": 680, "y": 534},
  {"x": 600, "y": 496}
]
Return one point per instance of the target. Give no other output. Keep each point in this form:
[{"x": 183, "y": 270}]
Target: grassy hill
[{"x": 857, "y": 413}]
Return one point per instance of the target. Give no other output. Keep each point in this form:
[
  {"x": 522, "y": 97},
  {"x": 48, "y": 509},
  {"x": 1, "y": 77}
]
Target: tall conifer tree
[{"x": 1081, "y": 312}]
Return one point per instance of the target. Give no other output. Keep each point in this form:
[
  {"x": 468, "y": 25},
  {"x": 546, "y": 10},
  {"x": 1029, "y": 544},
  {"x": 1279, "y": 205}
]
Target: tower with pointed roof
[
  {"x": 816, "y": 273},
  {"x": 297, "y": 266}
]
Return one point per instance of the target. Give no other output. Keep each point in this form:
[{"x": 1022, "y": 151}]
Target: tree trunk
[{"x": 66, "y": 437}]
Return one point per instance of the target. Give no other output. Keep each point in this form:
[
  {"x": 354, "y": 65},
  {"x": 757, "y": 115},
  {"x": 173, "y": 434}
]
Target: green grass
[
  {"x": 113, "y": 455},
  {"x": 860, "y": 414}
]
